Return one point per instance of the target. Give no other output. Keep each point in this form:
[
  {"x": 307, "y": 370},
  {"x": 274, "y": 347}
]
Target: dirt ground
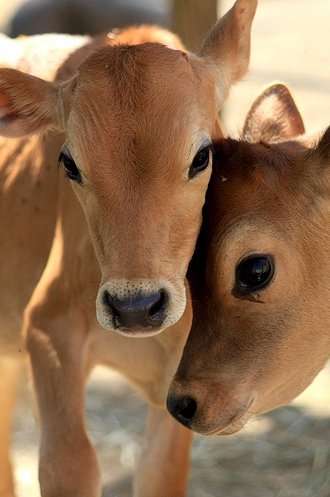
[
  {"x": 287, "y": 452},
  {"x": 283, "y": 454}
]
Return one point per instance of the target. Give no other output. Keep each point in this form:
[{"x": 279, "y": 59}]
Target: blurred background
[{"x": 285, "y": 453}]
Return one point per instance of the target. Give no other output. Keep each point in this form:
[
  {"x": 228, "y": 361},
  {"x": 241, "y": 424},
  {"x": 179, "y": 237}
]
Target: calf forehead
[
  {"x": 258, "y": 181},
  {"x": 140, "y": 96},
  {"x": 131, "y": 72}
]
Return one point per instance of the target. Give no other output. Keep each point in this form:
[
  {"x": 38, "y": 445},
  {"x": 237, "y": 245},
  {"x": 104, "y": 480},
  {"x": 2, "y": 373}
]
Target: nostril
[
  {"x": 109, "y": 302},
  {"x": 188, "y": 408},
  {"x": 156, "y": 311},
  {"x": 182, "y": 408},
  {"x": 107, "y": 299}
]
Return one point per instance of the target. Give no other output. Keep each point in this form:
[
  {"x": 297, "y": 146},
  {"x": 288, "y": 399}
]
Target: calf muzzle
[
  {"x": 140, "y": 310},
  {"x": 140, "y": 307}
]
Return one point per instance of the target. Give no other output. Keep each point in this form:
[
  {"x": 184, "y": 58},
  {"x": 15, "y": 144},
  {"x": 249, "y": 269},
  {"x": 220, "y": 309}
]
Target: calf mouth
[{"x": 236, "y": 424}]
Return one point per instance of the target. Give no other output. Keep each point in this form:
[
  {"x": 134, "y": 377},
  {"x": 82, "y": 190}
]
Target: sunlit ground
[{"x": 285, "y": 453}]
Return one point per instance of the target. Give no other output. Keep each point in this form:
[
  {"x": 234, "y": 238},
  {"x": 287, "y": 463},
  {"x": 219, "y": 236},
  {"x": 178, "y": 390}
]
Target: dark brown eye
[
  {"x": 70, "y": 167},
  {"x": 254, "y": 272},
  {"x": 200, "y": 162}
]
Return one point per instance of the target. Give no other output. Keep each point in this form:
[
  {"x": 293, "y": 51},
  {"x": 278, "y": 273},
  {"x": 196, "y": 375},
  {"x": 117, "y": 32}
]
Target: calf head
[
  {"x": 260, "y": 275},
  {"x": 139, "y": 121}
]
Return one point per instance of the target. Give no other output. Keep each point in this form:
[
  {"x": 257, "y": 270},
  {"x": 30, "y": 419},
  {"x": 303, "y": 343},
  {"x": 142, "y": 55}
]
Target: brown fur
[
  {"x": 249, "y": 353},
  {"x": 132, "y": 117}
]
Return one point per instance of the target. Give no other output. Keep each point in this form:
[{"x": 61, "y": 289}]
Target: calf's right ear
[{"x": 28, "y": 104}]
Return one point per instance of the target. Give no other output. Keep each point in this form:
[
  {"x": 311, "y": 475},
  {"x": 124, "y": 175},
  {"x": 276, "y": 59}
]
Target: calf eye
[
  {"x": 254, "y": 272},
  {"x": 70, "y": 167},
  {"x": 200, "y": 162}
]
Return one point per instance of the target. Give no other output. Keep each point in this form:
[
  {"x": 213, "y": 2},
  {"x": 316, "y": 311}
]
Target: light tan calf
[
  {"x": 260, "y": 276},
  {"x": 137, "y": 122}
]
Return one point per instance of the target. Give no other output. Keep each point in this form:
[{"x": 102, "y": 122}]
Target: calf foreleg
[
  {"x": 164, "y": 464},
  {"x": 9, "y": 375},
  {"x": 57, "y": 349}
]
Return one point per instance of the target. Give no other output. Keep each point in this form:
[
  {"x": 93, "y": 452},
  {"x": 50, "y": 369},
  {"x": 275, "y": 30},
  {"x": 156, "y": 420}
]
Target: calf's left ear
[{"x": 28, "y": 104}]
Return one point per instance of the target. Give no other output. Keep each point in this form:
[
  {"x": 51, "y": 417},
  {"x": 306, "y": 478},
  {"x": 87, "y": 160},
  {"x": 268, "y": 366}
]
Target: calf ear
[
  {"x": 227, "y": 47},
  {"x": 28, "y": 104},
  {"x": 273, "y": 116},
  {"x": 323, "y": 148}
]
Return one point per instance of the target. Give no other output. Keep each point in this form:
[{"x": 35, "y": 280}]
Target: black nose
[
  {"x": 139, "y": 310},
  {"x": 182, "y": 408}
]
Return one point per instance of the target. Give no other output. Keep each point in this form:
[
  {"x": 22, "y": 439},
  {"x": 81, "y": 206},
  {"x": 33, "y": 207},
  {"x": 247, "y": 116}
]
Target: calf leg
[
  {"x": 9, "y": 376},
  {"x": 68, "y": 464},
  {"x": 164, "y": 464}
]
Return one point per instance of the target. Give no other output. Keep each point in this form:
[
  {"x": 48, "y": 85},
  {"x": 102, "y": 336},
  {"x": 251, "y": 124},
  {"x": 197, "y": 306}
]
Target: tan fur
[
  {"x": 133, "y": 117},
  {"x": 249, "y": 353}
]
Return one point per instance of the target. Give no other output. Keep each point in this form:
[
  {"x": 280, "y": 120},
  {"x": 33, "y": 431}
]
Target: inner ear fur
[
  {"x": 227, "y": 47},
  {"x": 273, "y": 116},
  {"x": 28, "y": 104}
]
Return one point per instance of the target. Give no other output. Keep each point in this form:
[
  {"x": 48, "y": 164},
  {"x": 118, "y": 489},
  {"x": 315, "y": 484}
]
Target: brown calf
[
  {"x": 260, "y": 274},
  {"x": 140, "y": 180},
  {"x": 136, "y": 121}
]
